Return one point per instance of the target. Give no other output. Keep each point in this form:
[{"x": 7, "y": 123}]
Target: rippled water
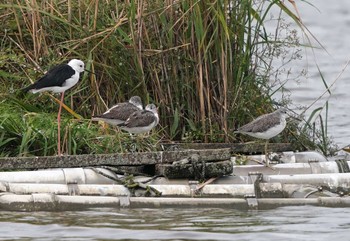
[
  {"x": 329, "y": 23},
  {"x": 287, "y": 223}
]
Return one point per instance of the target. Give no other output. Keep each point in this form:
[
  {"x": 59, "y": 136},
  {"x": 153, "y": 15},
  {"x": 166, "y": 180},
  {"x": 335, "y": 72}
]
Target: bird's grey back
[
  {"x": 140, "y": 118},
  {"x": 121, "y": 111},
  {"x": 262, "y": 123}
]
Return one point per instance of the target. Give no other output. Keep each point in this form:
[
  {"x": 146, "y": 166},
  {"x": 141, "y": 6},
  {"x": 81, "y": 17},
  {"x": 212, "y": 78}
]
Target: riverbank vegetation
[{"x": 206, "y": 64}]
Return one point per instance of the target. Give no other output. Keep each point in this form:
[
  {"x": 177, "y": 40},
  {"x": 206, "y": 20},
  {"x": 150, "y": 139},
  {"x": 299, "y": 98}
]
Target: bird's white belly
[
  {"x": 54, "y": 89},
  {"x": 138, "y": 130},
  {"x": 69, "y": 83}
]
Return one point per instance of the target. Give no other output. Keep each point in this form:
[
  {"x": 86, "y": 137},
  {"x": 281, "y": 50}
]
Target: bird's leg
[
  {"x": 146, "y": 135},
  {"x": 267, "y": 161},
  {"x": 59, "y": 126},
  {"x": 267, "y": 158}
]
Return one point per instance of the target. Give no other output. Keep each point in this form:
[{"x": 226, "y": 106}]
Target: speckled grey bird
[
  {"x": 266, "y": 126},
  {"x": 120, "y": 112},
  {"x": 141, "y": 121}
]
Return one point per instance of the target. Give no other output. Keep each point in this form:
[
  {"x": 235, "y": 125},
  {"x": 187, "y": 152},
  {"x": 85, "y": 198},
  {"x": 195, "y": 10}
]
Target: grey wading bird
[
  {"x": 266, "y": 127},
  {"x": 120, "y": 112},
  {"x": 141, "y": 121}
]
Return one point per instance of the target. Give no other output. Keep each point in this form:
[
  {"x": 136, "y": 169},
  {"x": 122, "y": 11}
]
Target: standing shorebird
[
  {"x": 265, "y": 127},
  {"x": 58, "y": 79},
  {"x": 120, "y": 112},
  {"x": 141, "y": 121}
]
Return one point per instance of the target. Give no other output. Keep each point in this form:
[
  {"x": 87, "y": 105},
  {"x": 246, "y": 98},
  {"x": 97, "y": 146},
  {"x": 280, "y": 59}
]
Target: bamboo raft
[{"x": 182, "y": 175}]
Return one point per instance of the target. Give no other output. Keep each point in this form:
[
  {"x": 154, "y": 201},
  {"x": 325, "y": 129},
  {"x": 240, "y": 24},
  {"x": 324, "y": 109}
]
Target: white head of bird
[
  {"x": 77, "y": 65},
  {"x": 136, "y": 101},
  {"x": 283, "y": 111},
  {"x": 153, "y": 108}
]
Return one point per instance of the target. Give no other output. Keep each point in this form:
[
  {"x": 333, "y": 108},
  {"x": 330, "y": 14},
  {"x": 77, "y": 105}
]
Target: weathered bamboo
[
  {"x": 88, "y": 176},
  {"x": 50, "y": 202},
  {"x": 289, "y": 168},
  {"x": 341, "y": 180},
  {"x": 264, "y": 190},
  {"x": 252, "y": 186},
  {"x": 283, "y": 157},
  {"x": 59, "y": 176},
  {"x": 63, "y": 189},
  {"x": 332, "y": 180},
  {"x": 120, "y": 190}
]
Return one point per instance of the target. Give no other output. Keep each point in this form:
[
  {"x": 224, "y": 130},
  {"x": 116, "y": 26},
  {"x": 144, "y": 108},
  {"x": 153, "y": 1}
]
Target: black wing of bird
[{"x": 54, "y": 77}]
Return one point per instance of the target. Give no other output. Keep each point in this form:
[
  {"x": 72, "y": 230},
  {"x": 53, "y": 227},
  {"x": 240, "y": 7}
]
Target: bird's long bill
[
  {"x": 89, "y": 71},
  {"x": 294, "y": 117}
]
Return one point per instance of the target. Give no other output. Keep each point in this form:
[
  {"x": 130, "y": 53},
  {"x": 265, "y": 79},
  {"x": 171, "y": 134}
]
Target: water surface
[
  {"x": 285, "y": 223},
  {"x": 329, "y": 23}
]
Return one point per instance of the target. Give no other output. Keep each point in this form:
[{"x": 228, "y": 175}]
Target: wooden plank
[
  {"x": 242, "y": 148},
  {"x": 15, "y": 163},
  {"x": 117, "y": 159},
  {"x": 205, "y": 154},
  {"x": 212, "y": 169}
]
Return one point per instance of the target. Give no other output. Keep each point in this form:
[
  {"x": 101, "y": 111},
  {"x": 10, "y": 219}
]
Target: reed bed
[{"x": 199, "y": 61}]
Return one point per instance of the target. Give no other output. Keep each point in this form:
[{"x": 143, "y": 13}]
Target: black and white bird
[
  {"x": 266, "y": 127},
  {"x": 58, "y": 79},
  {"x": 141, "y": 121},
  {"x": 120, "y": 112}
]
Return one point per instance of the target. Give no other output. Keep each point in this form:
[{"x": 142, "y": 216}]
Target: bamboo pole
[
  {"x": 59, "y": 176},
  {"x": 289, "y": 168},
  {"x": 121, "y": 190},
  {"x": 48, "y": 202}
]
